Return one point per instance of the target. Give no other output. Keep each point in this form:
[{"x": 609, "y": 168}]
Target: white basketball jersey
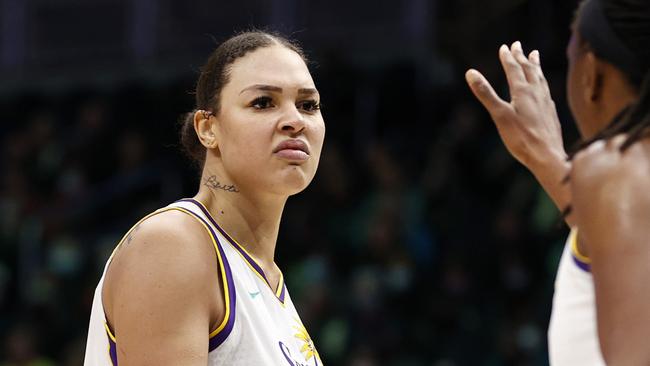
[
  {"x": 573, "y": 331},
  {"x": 261, "y": 325}
]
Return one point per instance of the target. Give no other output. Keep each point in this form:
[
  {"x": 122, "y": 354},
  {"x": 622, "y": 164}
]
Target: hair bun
[{"x": 192, "y": 147}]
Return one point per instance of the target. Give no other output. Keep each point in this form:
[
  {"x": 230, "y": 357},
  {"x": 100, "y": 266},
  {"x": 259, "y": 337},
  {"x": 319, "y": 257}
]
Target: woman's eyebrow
[
  {"x": 263, "y": 88},
  {"x": 277, "y": 89}
]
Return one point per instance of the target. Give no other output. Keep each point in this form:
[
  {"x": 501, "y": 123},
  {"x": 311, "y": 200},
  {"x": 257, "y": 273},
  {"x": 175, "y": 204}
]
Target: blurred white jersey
[
  {"x": 573, "y": 331},
  {"x": 261, "y": 326}
]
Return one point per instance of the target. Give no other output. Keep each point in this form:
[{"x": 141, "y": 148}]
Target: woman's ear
[
  {"x": 592, "y": 78},
  {"x": 205, "y": 129}
]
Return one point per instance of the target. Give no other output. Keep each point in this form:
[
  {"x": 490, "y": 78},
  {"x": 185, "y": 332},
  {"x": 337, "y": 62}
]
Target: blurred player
[
  {"x": 195, "y": 283},
  {"x": 608, "y": 89}
]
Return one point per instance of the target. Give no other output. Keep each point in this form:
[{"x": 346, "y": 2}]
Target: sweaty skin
[{"x": 612, "y": 211}]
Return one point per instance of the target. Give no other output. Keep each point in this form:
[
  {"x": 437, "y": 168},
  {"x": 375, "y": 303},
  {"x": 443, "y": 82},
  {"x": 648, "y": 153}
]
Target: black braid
[
  {"x": 633, "y": 120},
  {"x": 630, "y": 20},
  {"x": 638, "y": 118}
]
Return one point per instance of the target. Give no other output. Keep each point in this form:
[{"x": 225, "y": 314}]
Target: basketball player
[
  {"x": 609, "y": 57},
  {"x": 195, "y": 283}
]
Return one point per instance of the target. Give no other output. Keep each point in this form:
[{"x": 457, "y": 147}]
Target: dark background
[{"x": 420, "y": 241}]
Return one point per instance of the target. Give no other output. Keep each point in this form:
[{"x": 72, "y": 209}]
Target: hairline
[{"x": 228, "y": 68}]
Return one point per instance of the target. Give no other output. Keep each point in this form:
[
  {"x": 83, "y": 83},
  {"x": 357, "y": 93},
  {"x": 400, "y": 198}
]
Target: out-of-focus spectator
[{"x": 21, "y": 348}]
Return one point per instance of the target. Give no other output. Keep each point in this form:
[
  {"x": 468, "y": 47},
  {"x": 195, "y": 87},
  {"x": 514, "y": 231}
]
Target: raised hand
[{"x": 528, "y": 124}]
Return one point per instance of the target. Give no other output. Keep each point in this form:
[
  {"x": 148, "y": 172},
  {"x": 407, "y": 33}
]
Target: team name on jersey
[
  {"x": 307, "y": 349},
  {"x": 292, "y": 361}
]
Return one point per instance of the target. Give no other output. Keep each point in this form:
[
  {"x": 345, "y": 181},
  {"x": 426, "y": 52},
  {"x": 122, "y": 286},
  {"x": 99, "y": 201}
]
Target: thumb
[{"x": 484, "y": 91}]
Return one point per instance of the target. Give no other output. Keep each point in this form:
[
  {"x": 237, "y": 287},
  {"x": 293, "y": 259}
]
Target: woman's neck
[{"x": 251, "y": 220}]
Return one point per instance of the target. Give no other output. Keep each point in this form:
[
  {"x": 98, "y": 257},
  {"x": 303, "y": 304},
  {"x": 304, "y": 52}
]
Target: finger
[
  {"x": 535, "y": 59},
  {"x": 530, "y": 70},
  {"x": 484, "y": 92},
  {"x": 514, "y": 73}
]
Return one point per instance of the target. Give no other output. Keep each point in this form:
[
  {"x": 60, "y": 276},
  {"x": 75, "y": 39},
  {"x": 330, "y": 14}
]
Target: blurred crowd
[{"x": 419, "y": 242}]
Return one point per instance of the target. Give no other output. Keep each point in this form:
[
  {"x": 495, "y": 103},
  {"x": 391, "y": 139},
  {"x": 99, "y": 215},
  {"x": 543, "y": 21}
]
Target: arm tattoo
[
  {"x": 212, "y": 182},
  {"x": 129, "y": 238}
]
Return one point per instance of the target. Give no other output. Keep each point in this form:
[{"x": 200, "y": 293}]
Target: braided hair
[{"x": 630, "y": 20}]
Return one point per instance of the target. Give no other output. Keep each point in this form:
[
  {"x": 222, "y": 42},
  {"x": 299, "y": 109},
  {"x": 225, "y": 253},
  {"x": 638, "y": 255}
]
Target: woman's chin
[{"x": 293, "y": 181}]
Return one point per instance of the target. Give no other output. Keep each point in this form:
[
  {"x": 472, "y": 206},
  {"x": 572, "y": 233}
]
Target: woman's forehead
[{"x": 275, "y": 65}]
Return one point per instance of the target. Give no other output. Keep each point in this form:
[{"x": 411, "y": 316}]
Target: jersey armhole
[
  {"x": 223, "y": 330},
  {"x": 218, "y": 335},
  {"x": 582, "y": 261}
]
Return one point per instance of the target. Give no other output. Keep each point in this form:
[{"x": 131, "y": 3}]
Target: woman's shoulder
[
  {"x": 605, "y": 162},
  {"x": 609, "y": 188},
  {"x": 160, "y": 287},
  {"x": 162, "y": 230},
  {"x": 169, "y": 250}
]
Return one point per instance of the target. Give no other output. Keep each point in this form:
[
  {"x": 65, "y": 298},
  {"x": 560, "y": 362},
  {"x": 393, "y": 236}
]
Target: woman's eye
[
  {"x": 309, "y": 105},
  {"x": 262, "y": 103}
]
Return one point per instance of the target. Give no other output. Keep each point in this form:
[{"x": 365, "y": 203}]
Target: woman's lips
[
  {"x": 292, "y": 154},
  {"x": 293, "y": 150}
]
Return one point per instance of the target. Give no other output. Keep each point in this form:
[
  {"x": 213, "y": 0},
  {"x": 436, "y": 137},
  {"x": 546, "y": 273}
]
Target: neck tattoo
[{"x": 212, "y": 182}]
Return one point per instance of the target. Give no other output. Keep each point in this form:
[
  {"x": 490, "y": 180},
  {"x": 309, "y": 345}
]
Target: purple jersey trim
[
  {"x": 220, "y": 337},
  {"x": 238, "y": 247},
  {"x": 112, "y": 349},
  {"x": 283, "y": 292},
  {"x": 582, "y": 265}
]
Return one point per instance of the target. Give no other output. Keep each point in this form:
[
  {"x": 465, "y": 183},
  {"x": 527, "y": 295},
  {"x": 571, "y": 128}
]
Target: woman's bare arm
[
  {"x": 161, "y": 293},
  {"x": 611, "y": 197}
]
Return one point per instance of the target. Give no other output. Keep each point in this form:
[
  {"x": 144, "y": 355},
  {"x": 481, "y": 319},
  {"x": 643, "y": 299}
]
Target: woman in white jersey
[
  {"x": 609, "y": 58},
  {"x": 195, "y": 283}
]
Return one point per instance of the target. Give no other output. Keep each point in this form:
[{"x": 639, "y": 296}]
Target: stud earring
[{"x": 206, "y": 114}]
